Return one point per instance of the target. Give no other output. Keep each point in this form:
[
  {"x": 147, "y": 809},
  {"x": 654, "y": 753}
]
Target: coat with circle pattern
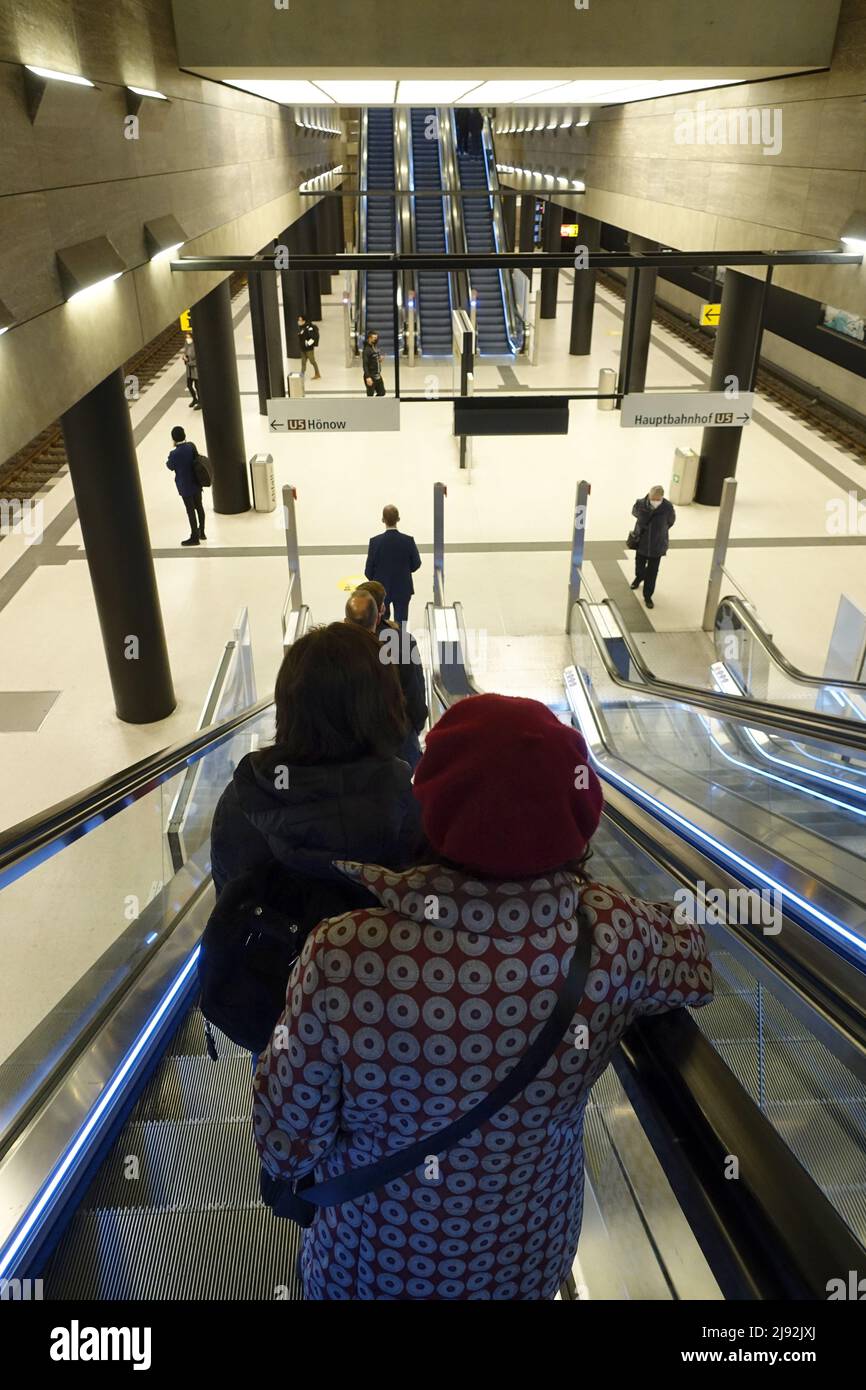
[{"x": 396, "y": 1023}]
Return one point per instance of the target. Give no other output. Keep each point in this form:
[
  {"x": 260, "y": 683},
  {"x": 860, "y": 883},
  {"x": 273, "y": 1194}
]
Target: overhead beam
[{"x": 516, "y": 260}]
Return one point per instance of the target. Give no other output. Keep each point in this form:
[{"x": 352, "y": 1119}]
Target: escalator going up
[
  {"x": 381, "y": 228},
  {"x": 434, "y": 292}
]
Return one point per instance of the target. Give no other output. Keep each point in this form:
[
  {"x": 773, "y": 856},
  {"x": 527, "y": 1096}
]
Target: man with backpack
[
  {"x": 190, "y": 472},
  {"x": 308, "y": 338}
]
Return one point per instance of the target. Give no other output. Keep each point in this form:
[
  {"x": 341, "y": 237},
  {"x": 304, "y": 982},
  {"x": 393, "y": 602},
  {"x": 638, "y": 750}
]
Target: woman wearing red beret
[{"x": 399, "y": 1019}]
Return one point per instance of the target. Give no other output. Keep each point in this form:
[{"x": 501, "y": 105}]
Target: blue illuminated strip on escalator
[
  {"x": 77, "y": 1149},
  {"x": 693, "y": 833}
]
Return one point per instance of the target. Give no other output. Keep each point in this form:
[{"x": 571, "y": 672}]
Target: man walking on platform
[
  {"x": 392, "y": 559},
  {"x": 372, "y": 363},
  {"x": 655, "y": 516},
  {"x": 308, "y": 339}
]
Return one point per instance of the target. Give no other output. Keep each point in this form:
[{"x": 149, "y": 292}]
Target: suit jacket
[{"x": 393, "y": 558}]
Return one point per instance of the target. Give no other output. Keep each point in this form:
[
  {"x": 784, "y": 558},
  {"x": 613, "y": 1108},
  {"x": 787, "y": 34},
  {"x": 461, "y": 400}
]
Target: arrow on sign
[
  {"x": 712, "y": 313},
  {"x": 744, "y": 418},
  {"x": 278, "y": 424}
]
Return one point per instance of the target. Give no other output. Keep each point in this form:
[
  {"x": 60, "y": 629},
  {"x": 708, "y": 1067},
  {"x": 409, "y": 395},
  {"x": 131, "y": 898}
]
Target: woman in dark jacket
[
  {"x": 331, "y": 787},
  {"x": 655, "y": 516},
  {"x": 400, "y": 1018}
]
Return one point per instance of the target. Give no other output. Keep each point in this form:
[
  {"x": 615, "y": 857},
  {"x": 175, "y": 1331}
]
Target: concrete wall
[
  {"x": 639, "y": 176},
  {"x": 511, "y": 38},
  {"x": 225, "y": 163}
]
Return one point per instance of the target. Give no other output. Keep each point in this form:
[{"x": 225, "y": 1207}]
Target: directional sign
[
  {"x": 664, "y": 409},
  {"x": 570, "y": 229},
  {"x": 710, "y": 314},
  {"x": 313, "y": 415},
  {"x": 350, "y": 583},
  {"x": 185, "y": 324}
]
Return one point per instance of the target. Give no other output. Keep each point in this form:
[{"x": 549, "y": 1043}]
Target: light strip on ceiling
[
  {"x": 289, "y": 93},
  {"x": 374, "y": 93},
  {"x": 445, "y": 93},
  {"x": 493, "y": 93},
  {"x": 59, "y": 76}
]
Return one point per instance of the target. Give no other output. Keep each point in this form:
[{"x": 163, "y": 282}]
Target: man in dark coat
[
  {"x": 371, "y": 360},
  {"x": 181, "y": 462},
  {"x": 366, "y": 608},
  {"x": 393, "y": 558},
  {"x": 308, "y": 341},
  {"x": 655, "y": 516}
]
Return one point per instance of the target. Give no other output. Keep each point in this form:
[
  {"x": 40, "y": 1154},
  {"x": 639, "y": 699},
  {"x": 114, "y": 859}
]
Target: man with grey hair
[{"x": 655, "y": 516}]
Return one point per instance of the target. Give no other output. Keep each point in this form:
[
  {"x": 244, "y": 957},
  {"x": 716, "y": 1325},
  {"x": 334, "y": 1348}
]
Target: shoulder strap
[{"x": 359, "y": 1181}]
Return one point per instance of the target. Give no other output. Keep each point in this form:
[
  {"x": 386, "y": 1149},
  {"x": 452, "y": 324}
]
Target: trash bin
[
  {"x": 262, "y": 478},
  {"x": 296, "y": 385},
  {"x": 684, "y": 478},
  {"x": 606, "y": 384}
]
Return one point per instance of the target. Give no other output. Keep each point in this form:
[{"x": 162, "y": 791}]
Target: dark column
[
  {"x": 294, "y": 297},
  {"x": 339, "y": 235},
  {"x": 267, "y": 336},
  {"x": 583, "y": 303},
  {"x": 509, "y": 219},
  {"x": 738, "y": 341},
  {"x": 213, "y": 332},
  {"x": 104, "y": 471},
  {"x": 640, "y": 292},
  {"x": 307, "y": 237},
  {"x": 324, "y": 240},
  {"x": 527, "y": 221},
  {"x": 552, "y": 242}
]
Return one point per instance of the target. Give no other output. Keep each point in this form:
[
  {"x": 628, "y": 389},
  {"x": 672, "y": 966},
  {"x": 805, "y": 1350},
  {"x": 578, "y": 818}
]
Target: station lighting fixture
[
  {"x": 136, "y": 96},
  {"x": 6, "y": 319},
  {"x": 434, "y": 93},
  {"x": 853, "y": 235},
  {"x": 348, "y": 93},
  {"x": 88, "y": 265},
  {"x": 163, "y": 236},
  {"x": 37, "y": 81},
  {"x": 287, "y": 93}
]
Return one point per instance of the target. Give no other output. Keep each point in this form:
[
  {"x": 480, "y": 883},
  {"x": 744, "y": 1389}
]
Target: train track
[
  {"x": 38, "y": 464},
  {"x": 837, "y": 429}
]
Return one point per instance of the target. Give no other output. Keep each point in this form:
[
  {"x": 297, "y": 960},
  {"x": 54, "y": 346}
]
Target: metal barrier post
[
  {"x": 578, "y": 542},
  {"x": 720, "y": 551},
  {"x": 290, "y": 496},
  {"x": 440, "y": 492}
]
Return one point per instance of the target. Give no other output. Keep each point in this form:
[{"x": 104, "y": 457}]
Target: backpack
[
  {"x": 201, "y": 469},
  {"x": 253, "y": 938}
]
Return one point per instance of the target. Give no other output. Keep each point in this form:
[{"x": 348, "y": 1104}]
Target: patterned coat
[{"x": 396, "y": 1023}]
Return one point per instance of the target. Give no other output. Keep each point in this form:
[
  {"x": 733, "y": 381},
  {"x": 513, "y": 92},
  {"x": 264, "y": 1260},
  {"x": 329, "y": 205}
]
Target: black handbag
[
  {"x": 298, "y": 1199},
  {"x": 633, "y": 538},
  {"x": 201, "y": 468},
  {"x": 253, "y": 938}
]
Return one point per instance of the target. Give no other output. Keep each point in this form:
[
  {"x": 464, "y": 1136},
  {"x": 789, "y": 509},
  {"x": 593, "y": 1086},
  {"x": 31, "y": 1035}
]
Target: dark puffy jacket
[
  {"x": 181, "y": 461},
  {"x": 344, "y": 810},
  {"x": 654, "y": 523},
  {"x": 372, "y": 362}
]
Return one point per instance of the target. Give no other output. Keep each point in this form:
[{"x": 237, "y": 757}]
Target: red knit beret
[{"x": 506, "y": 789}]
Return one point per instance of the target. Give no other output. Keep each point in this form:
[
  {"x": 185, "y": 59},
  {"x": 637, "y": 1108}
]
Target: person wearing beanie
[{"x": 400, "y": 1018}]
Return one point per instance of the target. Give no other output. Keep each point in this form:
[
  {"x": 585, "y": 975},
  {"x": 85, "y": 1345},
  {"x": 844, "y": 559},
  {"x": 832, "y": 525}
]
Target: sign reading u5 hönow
[
  {"x": 658, "y": 410},
  {"x": 315, "y": 416}
]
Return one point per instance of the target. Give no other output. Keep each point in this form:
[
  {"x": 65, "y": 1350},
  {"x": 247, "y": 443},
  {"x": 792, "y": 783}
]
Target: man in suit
[{"x": 393, "y": 558}]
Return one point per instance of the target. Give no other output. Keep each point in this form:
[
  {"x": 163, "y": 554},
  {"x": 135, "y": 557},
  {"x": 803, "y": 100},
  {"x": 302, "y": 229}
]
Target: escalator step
[
  {"x": 197, "y": 1088},
  {"x": 176, "y": 1255},
  {"x": 202, "y": 1165}
]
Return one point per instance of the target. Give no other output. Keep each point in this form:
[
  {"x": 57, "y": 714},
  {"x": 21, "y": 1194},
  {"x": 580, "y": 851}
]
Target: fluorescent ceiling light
[
  {"x": 358, "y": 93},
  {"x": 59, "y": 76},
  {"x": 289, "y": 93},
  {"x": 563, "y": 125},
  {"x": 855, "y": 244},
  {"x": 444, "y": 93},
  {"x": 146, "y": 92},
  {"x": 579, "y": 184},
  {"x": 616, "y": 91},
  {"x": 169, "y": 251},
  {"x": 552, "y": 125},
  {"x": 492, "y": 93},
  {"x": 853, "y": 234},
  {"x": 97, "y": 285}
]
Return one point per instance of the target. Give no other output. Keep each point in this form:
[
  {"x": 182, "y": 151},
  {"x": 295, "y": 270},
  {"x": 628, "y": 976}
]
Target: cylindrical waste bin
[
  {"x": 606, "y": 385},
  {"x": 684, "y": 478},
  {"x": 296, "y": 385},
  {"x": 262, "y": 479}
]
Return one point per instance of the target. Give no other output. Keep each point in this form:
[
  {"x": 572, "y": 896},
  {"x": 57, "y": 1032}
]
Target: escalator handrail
[
  {"x": 50, "y": 830},
  {"x": 514, "y": 324},
  {"x": 749, "y": 620},
  {"x": 804, "y": 724},
  {"x": 361, "y": 324},
  {"x": 777, "y": 1228}
]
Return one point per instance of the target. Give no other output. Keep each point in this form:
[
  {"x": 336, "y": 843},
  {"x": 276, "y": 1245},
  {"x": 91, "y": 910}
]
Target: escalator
[
  {"x": 380, "y": 226},
  {"x": 434, "y": 289},
  {"x": 127, "y": 1168},
  {"x": 486, "y": 284}
]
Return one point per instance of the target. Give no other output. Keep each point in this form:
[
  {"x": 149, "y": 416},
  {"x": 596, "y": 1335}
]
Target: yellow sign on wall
[
  {"x": 569, "y": 229},
  {"x": 350, "y": 583},
  {"x": 185, "y": 323},
  {"x": 710, "y": 314}
]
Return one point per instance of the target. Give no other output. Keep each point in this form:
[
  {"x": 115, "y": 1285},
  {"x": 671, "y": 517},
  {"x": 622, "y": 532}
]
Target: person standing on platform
[
  {"x": 308, "y": 339},
  {"x": 372, "y": 363},
  {"x": 191, "y": 372},
  {"x": 392, "y": 559},
  {"x": 655, "y": 516},
  {"x": 182, "y": 462}
]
